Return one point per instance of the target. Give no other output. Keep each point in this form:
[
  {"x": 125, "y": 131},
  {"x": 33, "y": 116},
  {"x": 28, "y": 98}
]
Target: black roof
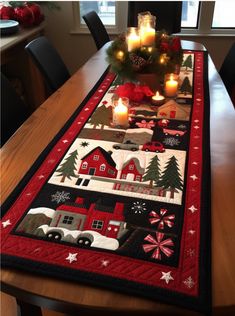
[{"x": 106, "y": 155}]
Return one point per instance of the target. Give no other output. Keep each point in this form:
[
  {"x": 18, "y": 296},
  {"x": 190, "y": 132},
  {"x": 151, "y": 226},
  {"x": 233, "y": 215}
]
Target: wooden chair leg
[{"x": 28, "y": 309}]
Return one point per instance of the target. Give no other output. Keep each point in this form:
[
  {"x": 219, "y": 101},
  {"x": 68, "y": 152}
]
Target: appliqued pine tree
[
  {"x": 171, "y": 178},
  {"x": 188, "y": 63},
  {"x": 102, "y": 116},
  {"x": 68, "y": 167},
  {"x": 186, "y": 86},
  {"x": 152, "y": 173}
]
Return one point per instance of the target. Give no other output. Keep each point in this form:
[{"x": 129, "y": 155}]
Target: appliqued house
[
  {"x": 131, "y": 170},
  {"x": 173, "y": 110},
  {"x": 106, "y": 220},
  {"x": 98, "y": 162}
]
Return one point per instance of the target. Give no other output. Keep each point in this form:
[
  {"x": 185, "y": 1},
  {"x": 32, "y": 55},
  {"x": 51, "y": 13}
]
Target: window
[
  {"x": 102, "y": 167},
  {"x": 105, "y": 10},
  {"x": 97, "y": 224},
  {"x": 131, "y": 167},
  {"x": 96, "y": 157},
  {"x": 198, "y": 17},
  {"x": 67, "y": 220},
  {"x": 84, "y": 165},
  {"x": 224, "y": 14}
]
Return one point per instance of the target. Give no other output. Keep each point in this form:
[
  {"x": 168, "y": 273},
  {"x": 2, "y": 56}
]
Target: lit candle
[
  {"x": 158, "y": 99},
  {"x": 171, "y": 87},
  {"x": 120, "y": 114},
  {"x": 133, "y": 40},
  {"x": 147, "y": 35}
]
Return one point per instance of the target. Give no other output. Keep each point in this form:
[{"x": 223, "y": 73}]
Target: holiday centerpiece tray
[{"x": 122, "y": 208}]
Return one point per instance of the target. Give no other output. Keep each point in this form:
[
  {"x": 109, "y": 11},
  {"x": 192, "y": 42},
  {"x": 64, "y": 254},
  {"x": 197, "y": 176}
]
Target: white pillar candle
[
  {"x": 133, "y": 40},
  {"x": 120, "y": 114},
  {"x": 147, "y": 36},
  {"x": 171, "y": 87}
]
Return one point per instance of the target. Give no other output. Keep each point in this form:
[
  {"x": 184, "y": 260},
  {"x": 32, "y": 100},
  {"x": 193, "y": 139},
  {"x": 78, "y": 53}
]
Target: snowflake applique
[
  {"x": 139, "y": 207},
  {"x": 170, "y": 141},
  {"x": 59, "y": 197},
  {"x": 84, "y": 144},
  {"x": 158, "y": 245},
  {"x": 162, "y": 219},
  {"x": 189, "y": 283}
]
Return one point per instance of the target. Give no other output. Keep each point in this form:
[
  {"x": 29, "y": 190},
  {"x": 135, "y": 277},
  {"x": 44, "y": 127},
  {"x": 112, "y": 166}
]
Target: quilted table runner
[{"x": 122, "y": 208}]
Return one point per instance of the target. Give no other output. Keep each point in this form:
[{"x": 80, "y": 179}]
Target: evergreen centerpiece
[{"x": 142, "y": 50}]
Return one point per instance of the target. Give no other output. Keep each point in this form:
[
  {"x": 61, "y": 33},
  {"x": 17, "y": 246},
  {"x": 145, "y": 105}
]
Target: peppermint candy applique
[
  {"x": 158, "y": 246},
  {"x": 161, "y": 219}
]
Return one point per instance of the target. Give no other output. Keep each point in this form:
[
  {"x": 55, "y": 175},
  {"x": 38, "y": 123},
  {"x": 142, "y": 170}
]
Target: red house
[
  {"x": 98, "y": 162},
  {"x": 104, "y": 219},
  {"x": 132, "y": 170}
]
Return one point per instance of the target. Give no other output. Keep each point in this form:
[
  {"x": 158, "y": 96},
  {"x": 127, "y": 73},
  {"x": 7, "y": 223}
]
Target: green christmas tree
[
  {"x": 171, "y": 178},
  {"x": 68, "y": 167},
  {"x": 188, "y": 63},
  {"x": 186, "y": 86},
  {"x": 102, "y": 116},
  {"x": 152, "y": 171}
]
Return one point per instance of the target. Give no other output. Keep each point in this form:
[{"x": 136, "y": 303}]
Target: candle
[
  {"x": 147, "y": 36},
  {"x": 133, "y": 39},
  {"x": 120, "y": 114},
  {"x": 171, "y": 87},
  {"x": 158, "y": 99}
]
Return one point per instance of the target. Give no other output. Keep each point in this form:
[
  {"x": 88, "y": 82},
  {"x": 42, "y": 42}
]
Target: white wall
[{"x": 76, "y": 49}]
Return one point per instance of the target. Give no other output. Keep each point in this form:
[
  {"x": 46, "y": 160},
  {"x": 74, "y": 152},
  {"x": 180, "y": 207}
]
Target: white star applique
[
  {"x": 196, "y": 127},
  {"x": 192, "y": 232},
  {"x": 72, "y": 257},
  {"x": 192, "y": 208},
  {"x": 166, "y": 276},
  {"x": 194, "y": 177},
  {"x": 194, "y": 163},
  {"x": 6, "y": 223},
  {"x": 41, "y": 176},
  {"x": 65, "y": 141},
  {"x": 104, "y": 263}
]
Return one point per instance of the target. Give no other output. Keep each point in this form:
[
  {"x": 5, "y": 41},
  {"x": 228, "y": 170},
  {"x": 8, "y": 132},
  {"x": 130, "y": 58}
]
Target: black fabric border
[{"x": 203, "y": 302}]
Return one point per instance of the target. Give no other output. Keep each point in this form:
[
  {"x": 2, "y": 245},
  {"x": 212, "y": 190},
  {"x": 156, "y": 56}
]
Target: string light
[{"x": 120, "y": 55}]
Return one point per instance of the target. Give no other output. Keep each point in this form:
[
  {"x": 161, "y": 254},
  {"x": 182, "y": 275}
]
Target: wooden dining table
[{"x": 23, "y": 148}]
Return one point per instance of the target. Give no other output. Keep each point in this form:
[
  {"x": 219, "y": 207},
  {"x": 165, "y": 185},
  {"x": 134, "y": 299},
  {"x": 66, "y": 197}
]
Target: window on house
[
  {"x": 96, "y": 157},
  {"x": 67, "y": 220},
  {"x": 84, "y": 165},
  {"x": 131, "y": 167},
  {"x": 102, "y": 167},
  {"x": 96, "y": 224}
]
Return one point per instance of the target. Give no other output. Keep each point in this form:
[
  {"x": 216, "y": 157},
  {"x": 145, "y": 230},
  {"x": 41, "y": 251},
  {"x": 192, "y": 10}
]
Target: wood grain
[{"x": 23, "y": 148}]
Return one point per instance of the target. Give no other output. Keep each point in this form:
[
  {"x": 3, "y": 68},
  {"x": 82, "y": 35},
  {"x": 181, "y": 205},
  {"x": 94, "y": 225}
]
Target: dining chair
[
  {"x": 48, "y": 62},
  {"x": 13, "y": 110},
  {"x": 168, "y": 14},
  {"x": 97, "y": 29},
  {"x": 227, "y": 72}
]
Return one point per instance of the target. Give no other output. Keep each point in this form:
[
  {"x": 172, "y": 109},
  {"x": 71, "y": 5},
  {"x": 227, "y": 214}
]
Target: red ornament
[
  {"x": 37, "y": 12},
  {"x": 29, "y": 14},
  {"x": 7, "y": 13},
  {"x": 134, "y": 92},
  {"x": 164, "y": 46},
  {"x": 176, "y": 45}
]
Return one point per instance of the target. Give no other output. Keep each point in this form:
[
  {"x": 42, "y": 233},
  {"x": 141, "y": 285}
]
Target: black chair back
[
  {"x": 13, "y": 110},
  {"x": 97, "y": 29},
  {"x": 227, "y": 71},
  {"x": 168, "y": 14},
  {"x": 49, "y": 62}
]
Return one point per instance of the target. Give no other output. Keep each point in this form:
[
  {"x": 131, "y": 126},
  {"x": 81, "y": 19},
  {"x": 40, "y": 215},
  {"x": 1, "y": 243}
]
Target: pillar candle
[
  {"x": 147, "y": 36},
  {"x": 171, "y": 87},
  {"x": 133, "y": 41},
  {"x": 120, "y": 114}
]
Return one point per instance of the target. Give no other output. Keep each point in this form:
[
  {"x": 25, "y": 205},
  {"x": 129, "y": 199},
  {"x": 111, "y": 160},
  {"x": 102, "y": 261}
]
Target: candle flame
[{"x": 157, "y": 94}]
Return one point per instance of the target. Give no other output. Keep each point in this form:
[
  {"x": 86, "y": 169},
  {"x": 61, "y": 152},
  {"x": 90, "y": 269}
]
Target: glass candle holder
[
  {"x": 132, "y": 38},
  {"x": 146, "y": 24},
  {"x": 120, "y": 112},
  {"x": 171, "y": 85}
]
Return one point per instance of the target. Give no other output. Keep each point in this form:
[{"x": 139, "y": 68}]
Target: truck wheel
[
  {"x": 84, "y": 242},
  {"x": 53, "y": 236}
]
